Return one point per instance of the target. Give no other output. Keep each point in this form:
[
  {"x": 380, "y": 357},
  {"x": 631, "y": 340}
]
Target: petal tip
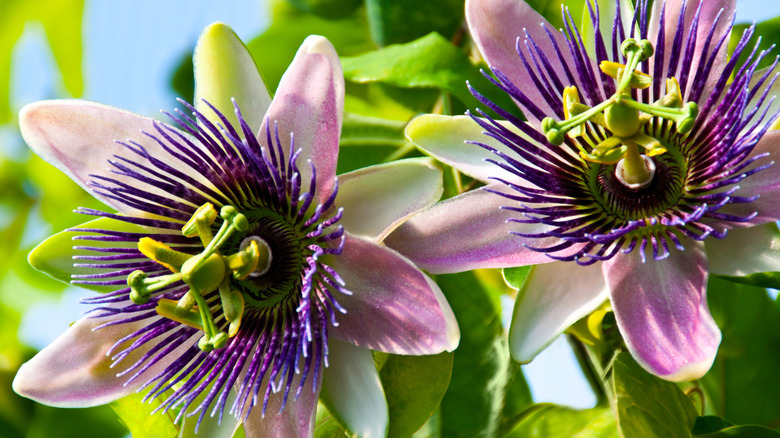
[
  {"x": 22, "y": 384},
  {"x": 691, "y": 370},
  {"x": 316, "y": 44}
]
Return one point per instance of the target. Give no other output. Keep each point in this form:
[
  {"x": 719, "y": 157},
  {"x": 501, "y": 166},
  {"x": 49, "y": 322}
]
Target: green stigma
[
  {"x": 203, "y": 273},
  {"x": 628, "y": 145}
]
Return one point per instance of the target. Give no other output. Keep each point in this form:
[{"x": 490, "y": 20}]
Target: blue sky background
[{"x": 131, "y": 48}]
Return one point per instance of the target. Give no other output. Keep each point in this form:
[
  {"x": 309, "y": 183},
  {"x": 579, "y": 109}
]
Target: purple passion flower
[
  {"x": 239, "y": 273},
  {"x": 640, "y": 170}
]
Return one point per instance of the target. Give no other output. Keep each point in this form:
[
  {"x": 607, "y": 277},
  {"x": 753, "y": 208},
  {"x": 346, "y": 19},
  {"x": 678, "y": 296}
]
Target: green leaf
[
  {"x": 431, "y": 61},
  {"x": 414, "y": 387},
  {"x": 517, "y": 398},
  {"x": 275, "y": 48},
  {"x": 326, "y": 425},
  {"x": 61, "y": 19},
  {"x": 769, "y": 31},
  {"x": 759, "y": 279},
  {"x": 54, "y": 256},
  {"x": 552, "y": 421},
  {"x": 716, "y": 427},
  {"x": 481, "y": 366},
  {"x": 742, "y": 384},
  {"x": 96, "y": 422},
  {"x": 141, "y": 421},
  {"x": 515, "y": 277},
  {"x": 648, "y": 406},
  {"x": 370, "y": 140},
  {"x": 401, "y": 21},
  {"x": 328, "y": 9}
]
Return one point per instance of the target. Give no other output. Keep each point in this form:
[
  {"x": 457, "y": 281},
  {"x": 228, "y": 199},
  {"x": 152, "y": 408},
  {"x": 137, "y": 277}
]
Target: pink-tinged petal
[
  {"x": 765, "y": 184},
  {"x": 352, "y": 391},
  {"x": 224, "y": 69},
  {"x": 74, "y": 370},
  {"x": 445, "y": 137},
  {"x": 295, "y": 420},
  {"x": 496, "y": 25},
  {"x": 377, "y": 199},
  {"x": 553, "y": 297},
  {"x": 394, "y": 307},
  {"x": 469, "y": 231},
  {"x": 79, "y": 138},
  {"x": 310, "y": 104},
  {"x": 661, "y": 311},
  {"x": 709, "y": 11},
  {"x": 745, "y": 251}
]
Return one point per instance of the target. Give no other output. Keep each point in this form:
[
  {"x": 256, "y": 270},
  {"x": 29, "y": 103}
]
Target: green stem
[{"x": 592, "y": 371}]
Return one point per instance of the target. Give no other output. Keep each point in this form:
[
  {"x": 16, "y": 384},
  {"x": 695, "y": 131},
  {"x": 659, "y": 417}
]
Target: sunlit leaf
[
  {"x": 648, "y": 406},
  {"x": 139, "y": 419},
  {"x": 552, "y": 421},
  {"x": 326, "y": 426},
  {"x": 769, "y": 31},
  {"x": 515, "y": 277},
  {"x": 431, "y": 61},
  {"x": 551, "y": 10}
]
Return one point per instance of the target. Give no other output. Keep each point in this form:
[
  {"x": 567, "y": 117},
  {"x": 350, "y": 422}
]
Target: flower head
[
  {"x": 242, "y": 275},
  {"x": 640, "y": 166}
]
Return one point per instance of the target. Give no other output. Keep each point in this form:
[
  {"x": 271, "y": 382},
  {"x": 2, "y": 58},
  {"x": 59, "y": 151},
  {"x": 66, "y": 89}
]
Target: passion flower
[
  {"x": 242, "y": 275},
  {"x": 641, "y": 169}
]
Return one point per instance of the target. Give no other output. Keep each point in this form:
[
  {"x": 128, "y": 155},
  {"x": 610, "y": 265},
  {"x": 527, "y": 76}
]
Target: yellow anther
[
  {"x": 170, "y": 309},
  {"x": 651, "y": 145},
  {"x": 232, "y": 304},
  {"x": 673, "y": 92},
  {"x": 244, "y": 262},
  {"x": 639, "y": 80},
  {"x": 571, "y": 99},
  {"x": 204, "y": 273},
  {"x": 162, "y": 254},
  {"x": 205, "y": 214}
]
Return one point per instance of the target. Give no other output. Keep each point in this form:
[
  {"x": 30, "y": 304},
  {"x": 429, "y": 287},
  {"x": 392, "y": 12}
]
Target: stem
[{"x": 590, "y": 369}]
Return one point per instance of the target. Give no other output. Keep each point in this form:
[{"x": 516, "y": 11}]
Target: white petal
[
  {"x": 553, "y": 297},
  {"x": 445, "y": 137},
  {"x": 377, "y": 199},
  {"x": 224, "y": 69},
  {"x": 74, "y": 370},
  {"x": 79, "y": 138},
  {"x": 352, "y": 391},
  {"x": 745, "y": 251}
]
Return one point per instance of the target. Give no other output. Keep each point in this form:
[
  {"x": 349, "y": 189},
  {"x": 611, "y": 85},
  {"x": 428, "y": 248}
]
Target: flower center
[
  {"x": 265, "y": 287},
  {"x": 204, "y": 273},
  {"x": 628, "y": 145}
]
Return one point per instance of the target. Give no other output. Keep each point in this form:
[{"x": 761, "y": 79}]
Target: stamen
[
  {"x": 203, "y": 273},
  {"x": 624, "y": 117}
]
